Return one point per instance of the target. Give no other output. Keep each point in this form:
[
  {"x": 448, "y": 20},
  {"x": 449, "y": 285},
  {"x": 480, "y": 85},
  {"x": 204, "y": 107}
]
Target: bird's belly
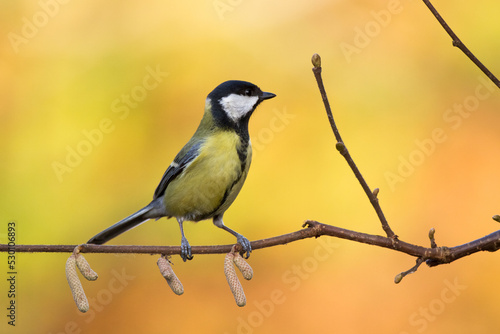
[{"x": 202, "y": 189}]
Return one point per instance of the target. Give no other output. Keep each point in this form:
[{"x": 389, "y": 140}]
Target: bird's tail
[{"x": 124, "y": 225}]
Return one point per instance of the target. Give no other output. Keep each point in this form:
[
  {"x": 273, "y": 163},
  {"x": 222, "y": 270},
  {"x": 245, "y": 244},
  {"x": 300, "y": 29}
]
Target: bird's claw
[
  {"x": 185, "y": 250},
  {"x": 245, "y": 245}
]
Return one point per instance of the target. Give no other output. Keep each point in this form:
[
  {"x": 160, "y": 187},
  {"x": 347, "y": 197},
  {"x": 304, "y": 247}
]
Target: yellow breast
[{"x": 202, "y": 188}]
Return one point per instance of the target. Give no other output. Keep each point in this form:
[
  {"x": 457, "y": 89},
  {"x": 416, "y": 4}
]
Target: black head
[{"x": 234, "y": 101}]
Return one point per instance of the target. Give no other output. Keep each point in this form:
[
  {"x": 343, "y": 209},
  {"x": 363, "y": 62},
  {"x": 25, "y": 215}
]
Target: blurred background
[{"x": 97, "y": 98}]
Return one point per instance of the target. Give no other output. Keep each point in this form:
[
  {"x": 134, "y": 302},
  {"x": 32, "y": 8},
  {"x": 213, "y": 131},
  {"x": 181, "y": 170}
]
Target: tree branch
[
  {"x": 433, "y": 256},
  {"x": 165, "y": 250},
  {"x": 459, "y": 44}
]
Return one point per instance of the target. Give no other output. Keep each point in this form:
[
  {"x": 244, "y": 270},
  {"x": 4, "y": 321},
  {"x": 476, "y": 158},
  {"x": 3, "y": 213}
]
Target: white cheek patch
[{"x": 236, "y": 106}]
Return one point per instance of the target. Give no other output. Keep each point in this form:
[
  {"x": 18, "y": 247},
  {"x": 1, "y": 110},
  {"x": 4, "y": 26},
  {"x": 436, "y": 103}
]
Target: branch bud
[
  {"x": 496, "y": 218},
  {"x": 375, "y": 192},
  {"x": 432, "y": 231},
  {"x": 398, "y": 278},
  {"x": 340, "y": 147},
  {"x": 316, "y": 60}
]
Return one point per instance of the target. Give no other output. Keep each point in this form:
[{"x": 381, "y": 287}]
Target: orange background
[{"x": 393, "y": 80}]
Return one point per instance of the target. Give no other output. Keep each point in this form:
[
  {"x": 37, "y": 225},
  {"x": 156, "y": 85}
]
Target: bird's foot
[
  {"x": 185, "y": 250},
  {"x": 245, "y": 245}
]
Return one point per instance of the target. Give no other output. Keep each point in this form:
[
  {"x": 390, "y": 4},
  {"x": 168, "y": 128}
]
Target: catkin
[
  {"x": 166, "y": 270},
  {"x": 243, "y": 266},
  {"x": 84, "y": 268},
  {"x": 75, "y": 285},
  {"x": 233, "y": 281}
]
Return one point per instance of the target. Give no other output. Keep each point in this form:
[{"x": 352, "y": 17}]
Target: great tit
[{"x": 209, "y": 171}]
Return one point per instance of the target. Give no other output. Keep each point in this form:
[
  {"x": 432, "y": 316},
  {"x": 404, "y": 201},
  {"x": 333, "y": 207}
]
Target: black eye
[{"x": 248, "y": 92}]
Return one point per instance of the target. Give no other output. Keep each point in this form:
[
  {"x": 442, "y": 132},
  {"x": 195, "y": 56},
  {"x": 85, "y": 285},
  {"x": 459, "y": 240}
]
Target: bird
[{"x": 209, "y": 171}]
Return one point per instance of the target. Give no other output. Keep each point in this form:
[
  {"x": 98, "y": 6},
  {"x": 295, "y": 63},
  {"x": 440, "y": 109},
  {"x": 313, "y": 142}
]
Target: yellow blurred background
[{"x": 96, "y": 98}]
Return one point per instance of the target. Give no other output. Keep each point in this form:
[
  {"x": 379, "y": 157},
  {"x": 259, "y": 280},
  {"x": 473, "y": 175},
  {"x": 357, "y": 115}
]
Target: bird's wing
[{"x": 181, "y": 161}]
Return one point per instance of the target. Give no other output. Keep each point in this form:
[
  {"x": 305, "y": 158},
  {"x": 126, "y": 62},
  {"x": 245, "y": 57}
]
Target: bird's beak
[{"x": 266, "y": 96}]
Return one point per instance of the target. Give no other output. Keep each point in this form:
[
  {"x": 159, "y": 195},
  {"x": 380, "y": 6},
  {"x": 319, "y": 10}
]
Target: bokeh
[{"x": 96, "y": 98}]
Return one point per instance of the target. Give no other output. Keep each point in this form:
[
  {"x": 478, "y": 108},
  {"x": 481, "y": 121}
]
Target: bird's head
[{"x": 233, "y": 102}]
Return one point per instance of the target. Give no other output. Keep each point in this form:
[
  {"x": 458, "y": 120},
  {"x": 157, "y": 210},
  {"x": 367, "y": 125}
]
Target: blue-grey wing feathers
[{"x": 181, "y": 161}]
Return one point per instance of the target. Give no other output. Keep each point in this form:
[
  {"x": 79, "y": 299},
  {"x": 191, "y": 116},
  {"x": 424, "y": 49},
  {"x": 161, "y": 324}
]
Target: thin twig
[
  {"x": 413, "y": 269},
  {"x": 459, "y": 44},
  {"x": 316, "y": 60}
]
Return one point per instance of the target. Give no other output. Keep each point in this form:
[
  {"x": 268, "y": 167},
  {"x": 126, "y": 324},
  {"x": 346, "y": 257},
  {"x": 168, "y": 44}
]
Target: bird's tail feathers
[{"x": 124, "y": 225}]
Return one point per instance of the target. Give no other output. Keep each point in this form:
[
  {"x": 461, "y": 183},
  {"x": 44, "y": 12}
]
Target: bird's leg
[
  {"x": 245, "y": 244},
  {"x": 185, "y": 246}
]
